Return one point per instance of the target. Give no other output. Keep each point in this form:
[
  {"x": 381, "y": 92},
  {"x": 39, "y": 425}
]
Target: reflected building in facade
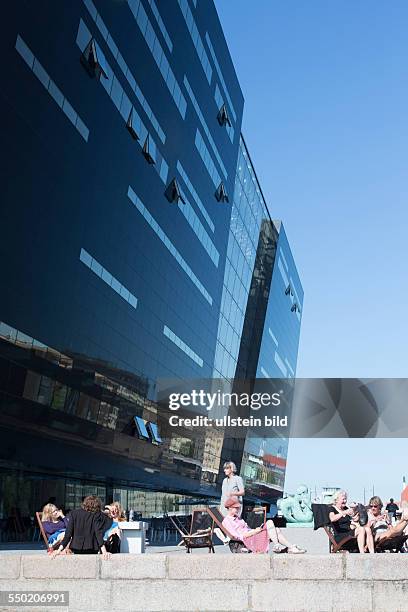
[{"x": 136, "y": 246}]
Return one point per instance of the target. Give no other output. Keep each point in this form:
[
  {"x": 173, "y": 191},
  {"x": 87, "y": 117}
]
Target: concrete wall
[{"x": 210, "y": 582}]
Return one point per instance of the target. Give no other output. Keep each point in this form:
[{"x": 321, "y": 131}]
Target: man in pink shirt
[{"x": 257, "y": 539}]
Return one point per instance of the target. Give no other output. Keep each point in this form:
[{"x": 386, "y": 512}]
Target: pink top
[{"x": 237, "y": 527}]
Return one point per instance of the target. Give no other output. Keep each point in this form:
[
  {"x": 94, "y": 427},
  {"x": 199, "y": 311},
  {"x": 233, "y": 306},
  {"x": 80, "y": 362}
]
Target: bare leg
[
  {"x": 369, "y": 539},
  {"x": 275, "y": 534},
  {"x": 361, "y": 537},
  {"x": 392, "y": 532}
]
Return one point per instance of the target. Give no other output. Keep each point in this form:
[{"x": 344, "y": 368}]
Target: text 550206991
[{"x": 34, "y": 598}]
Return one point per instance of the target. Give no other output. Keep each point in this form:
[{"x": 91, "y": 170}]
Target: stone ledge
[
  {"x": 176, "y": 595},
  {"x": 10, "y": 567},
  {"x": 66, "y": 567},
  {"x": 225, "y": 567},
  {"x": 89, "y": 595},
  {"x": 308, "y": 567},
  {"x": 308, "y": 595},
  {"x": 377, "y": 567},
  {"x": 134, "y": 567},
  {"x": 389, "y": 596},
  {"x": 352, "y": 567}
]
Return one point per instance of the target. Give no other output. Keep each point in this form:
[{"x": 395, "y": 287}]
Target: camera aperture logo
[{"x": 210, "y": 401}]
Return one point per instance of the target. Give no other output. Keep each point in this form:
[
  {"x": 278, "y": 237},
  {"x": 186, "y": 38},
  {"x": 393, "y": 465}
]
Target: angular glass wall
[{"x": 259, "y": 325}]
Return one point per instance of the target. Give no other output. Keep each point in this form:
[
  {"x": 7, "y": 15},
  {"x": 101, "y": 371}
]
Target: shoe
[
  {"x": 296, "y": 550},
  {"x": 279, "y": 548}
]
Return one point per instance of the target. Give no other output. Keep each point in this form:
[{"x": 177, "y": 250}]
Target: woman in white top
[
  {"x": 232, "y": 486},
  {"x": 380, "y": 522}
]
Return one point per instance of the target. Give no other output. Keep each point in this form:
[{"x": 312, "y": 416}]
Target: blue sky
[{"x": 326, "y": 122}]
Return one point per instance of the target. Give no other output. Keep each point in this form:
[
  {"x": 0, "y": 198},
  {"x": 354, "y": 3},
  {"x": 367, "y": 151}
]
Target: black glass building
[{"x": 134, "y": 238}]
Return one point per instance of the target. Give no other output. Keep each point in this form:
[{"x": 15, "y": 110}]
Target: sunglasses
[{"x": 374, "y": 506}]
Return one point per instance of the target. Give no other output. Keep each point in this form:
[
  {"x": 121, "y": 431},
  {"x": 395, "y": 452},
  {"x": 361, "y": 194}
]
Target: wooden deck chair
[
  {"x": 321, "y": 519},
  {"x": 201, "y": 531},
  {"x": 49, "y": 547},
  {"x": 394, "y": 544},
  {"x": 40, "y": 525},
  {"x": 256, "y": 517},
  {"x": 346, "y": 544},
  {"x": 235, "y": 546}
]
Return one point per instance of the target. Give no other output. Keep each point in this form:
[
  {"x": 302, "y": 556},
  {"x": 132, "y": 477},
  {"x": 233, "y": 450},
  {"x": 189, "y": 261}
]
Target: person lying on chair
[
  {"x": 254, "y": 539},
  {"x": 381, "y": 524},
  {"x": 54, "y": 524}
]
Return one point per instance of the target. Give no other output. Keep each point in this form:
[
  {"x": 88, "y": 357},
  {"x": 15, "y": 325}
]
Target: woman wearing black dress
[{"x": 340, "y": 517}]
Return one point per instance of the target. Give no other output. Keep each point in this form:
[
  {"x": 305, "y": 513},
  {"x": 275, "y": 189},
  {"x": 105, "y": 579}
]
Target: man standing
[
  {"x": 232, "y": 486},
  {"x": 391, "y": 508}
]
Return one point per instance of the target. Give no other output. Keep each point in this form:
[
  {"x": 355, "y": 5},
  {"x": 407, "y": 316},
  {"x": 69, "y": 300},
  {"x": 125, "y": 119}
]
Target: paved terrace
[
  {"x": 315, "y": 542},
  {"x": 214, "y": 582}
]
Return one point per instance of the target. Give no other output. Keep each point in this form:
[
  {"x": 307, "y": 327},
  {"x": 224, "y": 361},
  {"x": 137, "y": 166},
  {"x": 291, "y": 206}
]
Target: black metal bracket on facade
[
  {"x": 221, "y": 193},
  {"x": 223, "y": 118},
  {"x": 130, "y": 128},
  {"x": 146, "y": 151},
  {"x": 173, "y": 193},
  {"x": 91, "y": 59}
]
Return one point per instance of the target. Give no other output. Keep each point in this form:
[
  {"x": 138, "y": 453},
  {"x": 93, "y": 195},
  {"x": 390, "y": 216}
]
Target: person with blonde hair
[
  {"x": 112, "y": 536},
  {"x": 380, "y": 521},
  {"x": 340, "y": 516},
  {"x": 54, "y": 524}
]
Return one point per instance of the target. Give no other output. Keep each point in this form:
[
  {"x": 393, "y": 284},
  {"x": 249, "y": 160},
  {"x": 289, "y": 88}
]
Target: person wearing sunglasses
[{"x": 380, "y": 521}]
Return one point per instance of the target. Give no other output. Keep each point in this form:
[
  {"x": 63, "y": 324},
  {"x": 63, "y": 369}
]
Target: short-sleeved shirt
[
  {"x": 392, "y": 508},
  {"x": 229, "y": 485},
  {"x": 236, "y": 526}
]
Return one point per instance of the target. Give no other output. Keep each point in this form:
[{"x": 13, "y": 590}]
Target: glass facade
[{"x": 109, "y": 287}]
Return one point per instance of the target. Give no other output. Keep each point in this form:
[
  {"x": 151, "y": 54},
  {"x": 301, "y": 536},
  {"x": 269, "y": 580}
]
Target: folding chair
[
  {"x": 321, "y": 519},
  {"x": 237, "y": 546},
  {"x": 346, "y": 544},
  {"x": 201, "y": 531},
  {"x": 393, "y": 545},
  {"x": 44, "y": 537},
  {"x": 256, "y": 517}
]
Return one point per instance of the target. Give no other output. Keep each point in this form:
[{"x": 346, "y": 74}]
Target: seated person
[
  {"x": 380, "y": 521},
  {"x": 112, "y": 535},
  {"x": 239, "y": 529},
  {"x": 85, "y": 529},
  {"x": 54, "y": 524},
  {"x": 340, "y": 516}
]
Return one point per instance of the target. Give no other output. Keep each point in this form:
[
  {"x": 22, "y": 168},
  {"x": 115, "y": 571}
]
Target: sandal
[{"x": 279, "y": 548}]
